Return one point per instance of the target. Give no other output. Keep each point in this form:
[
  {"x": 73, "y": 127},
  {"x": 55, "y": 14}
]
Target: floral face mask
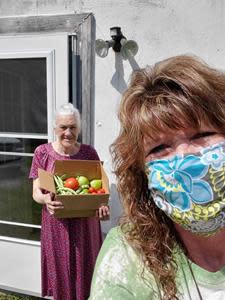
[{"x": 190, "y": 188}]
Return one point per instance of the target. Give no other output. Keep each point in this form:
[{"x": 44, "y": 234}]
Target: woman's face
[
  {"x": 66, "y": 130},
  {"x": 184, "y": 141}
]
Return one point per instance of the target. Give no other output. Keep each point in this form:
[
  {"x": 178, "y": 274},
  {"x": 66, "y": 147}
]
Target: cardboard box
[{"x": 77, "y": 205}]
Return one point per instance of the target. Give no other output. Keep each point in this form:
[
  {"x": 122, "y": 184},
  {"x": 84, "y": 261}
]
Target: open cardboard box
[{"x": 76, "y": 206}]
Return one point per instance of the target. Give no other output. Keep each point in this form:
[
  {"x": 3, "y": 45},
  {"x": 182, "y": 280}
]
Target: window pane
[
  {"x": 16, "y": 203},
  {"x": 23, "y": 95},
  {"x": 21, "y": 232},
  {"x": 8, "y": 144}
]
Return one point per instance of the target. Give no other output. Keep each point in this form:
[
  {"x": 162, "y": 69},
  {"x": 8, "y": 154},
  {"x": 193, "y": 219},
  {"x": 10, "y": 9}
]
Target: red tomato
[
  {"x": 101, "y": 191},
  {"x": 91, "y": 190},
  {"x": 71, "y": 183}
]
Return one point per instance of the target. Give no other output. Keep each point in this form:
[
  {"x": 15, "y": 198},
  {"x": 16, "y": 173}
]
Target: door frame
[{"x": 81, "y": 27}]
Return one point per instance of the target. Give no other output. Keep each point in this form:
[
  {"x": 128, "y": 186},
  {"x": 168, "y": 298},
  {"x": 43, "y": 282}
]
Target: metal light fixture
[{"x": 118, "y": 43}]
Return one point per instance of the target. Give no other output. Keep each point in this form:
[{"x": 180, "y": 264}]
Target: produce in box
[{"x": 78, "y": 185}]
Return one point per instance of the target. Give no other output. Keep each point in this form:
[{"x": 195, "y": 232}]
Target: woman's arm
[{"x": 47, "y": 199}]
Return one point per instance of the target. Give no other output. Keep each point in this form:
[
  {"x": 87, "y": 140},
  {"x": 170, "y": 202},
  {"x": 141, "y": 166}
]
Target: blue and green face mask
[{"x": 190, "y": 188}]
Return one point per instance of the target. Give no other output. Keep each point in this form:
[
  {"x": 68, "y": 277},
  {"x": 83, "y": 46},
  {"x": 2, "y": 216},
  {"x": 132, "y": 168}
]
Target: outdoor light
[{"x": 118, "y": 43}]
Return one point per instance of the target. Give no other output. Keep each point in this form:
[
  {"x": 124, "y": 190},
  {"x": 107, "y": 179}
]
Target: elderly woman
[
  {"x": 69, "y": 247},
  {"x": 170, "y": 163}
]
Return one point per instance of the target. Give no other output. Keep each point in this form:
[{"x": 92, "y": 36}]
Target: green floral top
[{"x": 118, "y": 275}]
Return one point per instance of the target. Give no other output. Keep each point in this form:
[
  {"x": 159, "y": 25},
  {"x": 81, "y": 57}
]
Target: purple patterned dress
[{"x": 69, "y": 247}]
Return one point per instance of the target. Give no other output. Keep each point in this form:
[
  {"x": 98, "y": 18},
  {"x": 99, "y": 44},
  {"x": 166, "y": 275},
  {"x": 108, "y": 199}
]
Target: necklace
[{"x": 194, "y": 279}]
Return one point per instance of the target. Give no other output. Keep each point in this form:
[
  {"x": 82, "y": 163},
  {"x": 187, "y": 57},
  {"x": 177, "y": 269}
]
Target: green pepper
[{"x": 84, "y": 191}]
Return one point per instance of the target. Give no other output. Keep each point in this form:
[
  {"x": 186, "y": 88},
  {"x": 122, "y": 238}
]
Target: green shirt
[{"x": 118, "y": 275}]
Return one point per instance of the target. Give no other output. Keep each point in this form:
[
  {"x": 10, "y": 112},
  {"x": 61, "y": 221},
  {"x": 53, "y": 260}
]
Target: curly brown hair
[{"x": 179, "y": 92}]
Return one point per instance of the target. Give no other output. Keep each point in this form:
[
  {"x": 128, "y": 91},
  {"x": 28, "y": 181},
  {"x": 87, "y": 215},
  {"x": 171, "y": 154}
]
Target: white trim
[
  {"x": 51, "y": 93},
  {"x": 25, "y": 54},
  {"x": 20, "y": 224},
  {"x": 15, "y": 290},
  {"x": 19, "y": 241},
  {"x": 33, "y": 33},
  {"x": 24, "y": 135},
  {"x": 16, "y": 153}
]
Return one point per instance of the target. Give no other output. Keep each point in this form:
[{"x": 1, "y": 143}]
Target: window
[{"x": 23, "y": 126}]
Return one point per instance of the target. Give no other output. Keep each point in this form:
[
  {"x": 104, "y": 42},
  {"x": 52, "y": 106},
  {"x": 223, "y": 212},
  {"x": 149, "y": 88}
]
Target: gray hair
[{"x": 69, "y": 109}]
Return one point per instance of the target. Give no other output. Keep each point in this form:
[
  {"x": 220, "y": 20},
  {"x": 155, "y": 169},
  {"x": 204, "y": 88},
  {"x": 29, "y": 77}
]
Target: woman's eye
[
  {"x": 158, "y": 149},
  {"x": 202, "y": 135}
]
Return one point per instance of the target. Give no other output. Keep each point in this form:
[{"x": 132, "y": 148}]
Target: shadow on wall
[
  {"x": 115, "y": 205},
  {"x": 115, "y": 210},
  {"x": 118, "y": 81}
]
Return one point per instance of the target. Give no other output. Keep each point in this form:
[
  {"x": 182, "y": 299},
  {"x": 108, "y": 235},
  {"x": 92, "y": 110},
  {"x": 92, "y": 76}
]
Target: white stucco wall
[{"x": 161, "y": 28}]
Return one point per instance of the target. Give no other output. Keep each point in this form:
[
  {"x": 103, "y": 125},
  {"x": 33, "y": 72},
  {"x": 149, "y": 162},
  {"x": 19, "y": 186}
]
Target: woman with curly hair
[{"x": 169, "y": 160}]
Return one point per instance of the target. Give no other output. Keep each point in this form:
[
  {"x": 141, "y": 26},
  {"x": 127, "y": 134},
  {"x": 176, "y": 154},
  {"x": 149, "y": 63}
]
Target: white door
[{"x": 33, "y": 82}]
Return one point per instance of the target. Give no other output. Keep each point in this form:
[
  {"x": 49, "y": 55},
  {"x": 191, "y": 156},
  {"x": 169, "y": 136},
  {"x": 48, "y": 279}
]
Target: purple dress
[{"x": 69, "y": 247}]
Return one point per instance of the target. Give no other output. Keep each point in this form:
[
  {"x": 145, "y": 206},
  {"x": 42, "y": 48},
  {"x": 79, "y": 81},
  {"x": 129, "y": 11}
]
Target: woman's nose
[
  {"x": 67, "y": 131},
  {"x": 184, "y": 147}
]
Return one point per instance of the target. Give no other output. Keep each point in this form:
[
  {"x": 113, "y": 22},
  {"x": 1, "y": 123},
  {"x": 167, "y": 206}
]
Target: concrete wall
[{"x": 161, "y": 28}]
